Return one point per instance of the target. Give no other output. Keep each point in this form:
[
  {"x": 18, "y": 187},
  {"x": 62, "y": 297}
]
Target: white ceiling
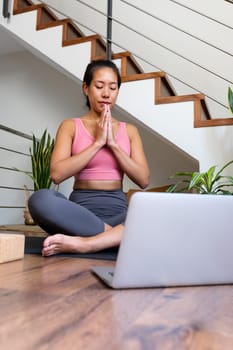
[{"x": 8, "y": 44}]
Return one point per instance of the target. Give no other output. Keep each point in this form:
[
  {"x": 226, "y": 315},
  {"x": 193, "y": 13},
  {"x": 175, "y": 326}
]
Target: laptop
[{"x": 174, "y": 239}]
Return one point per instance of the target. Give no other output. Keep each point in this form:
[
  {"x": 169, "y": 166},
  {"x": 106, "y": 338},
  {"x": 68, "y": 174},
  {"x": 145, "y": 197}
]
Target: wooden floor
[{"x": 56, "y": 303}]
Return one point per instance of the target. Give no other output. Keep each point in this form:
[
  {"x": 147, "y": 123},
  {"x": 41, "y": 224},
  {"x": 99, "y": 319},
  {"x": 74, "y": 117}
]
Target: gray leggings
[{"x": 83, "y": 214}]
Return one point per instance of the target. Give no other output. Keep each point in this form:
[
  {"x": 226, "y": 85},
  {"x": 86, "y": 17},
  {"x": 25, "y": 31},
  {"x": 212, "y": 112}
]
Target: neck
[{"x": 93, "y": 115}]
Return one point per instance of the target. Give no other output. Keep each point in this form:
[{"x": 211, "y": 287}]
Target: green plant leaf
[
  {"x": 204, "y": 183},
  {"x": 40, "y": 154},
  {"x": 183, "y": 173},
  {"x": 230, "y": 99},
  {"x": 172, "y": 188},
  {"x": 224, "y": 167},
  {"x": 196, "y": 180}
]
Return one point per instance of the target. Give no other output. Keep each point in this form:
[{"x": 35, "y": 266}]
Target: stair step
[
  {"x": 73, "y": 31},
  {"x": 21, "y": 4},
  {"x": 180, "y": 98},
  {"x": 18, "y": 10},
  {"x": 44, "y": 14},
  {"x": 143, "y": 76}
]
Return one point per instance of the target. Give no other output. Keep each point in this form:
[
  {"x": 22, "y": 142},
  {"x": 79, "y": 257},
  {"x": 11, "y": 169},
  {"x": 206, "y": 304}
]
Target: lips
[{"x": 105, "y": 105}]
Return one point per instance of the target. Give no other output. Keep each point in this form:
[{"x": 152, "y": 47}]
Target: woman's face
[{"x": 102, "y": 90}]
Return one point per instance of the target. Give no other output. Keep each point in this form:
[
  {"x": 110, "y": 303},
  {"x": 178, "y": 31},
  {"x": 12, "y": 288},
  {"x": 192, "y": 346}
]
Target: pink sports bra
[{"x": 103, "y": 166}]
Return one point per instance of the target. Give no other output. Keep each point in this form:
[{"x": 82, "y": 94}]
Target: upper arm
[
  {"x": 63, "y": 141},
  {"x": 137, "y": 149}
]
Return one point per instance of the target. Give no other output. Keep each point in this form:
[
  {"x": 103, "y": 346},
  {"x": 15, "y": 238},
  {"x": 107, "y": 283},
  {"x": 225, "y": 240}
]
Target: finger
[
  {"x": 108, "y": 112},
  {"x": 105, "y": 109},
  {"x": 102, "y": 119}
]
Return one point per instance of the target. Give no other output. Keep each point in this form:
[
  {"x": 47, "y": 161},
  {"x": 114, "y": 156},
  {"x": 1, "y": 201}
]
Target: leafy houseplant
[
  {"x": 209, "y": 182},
  {"x": 40, "y": 154}
]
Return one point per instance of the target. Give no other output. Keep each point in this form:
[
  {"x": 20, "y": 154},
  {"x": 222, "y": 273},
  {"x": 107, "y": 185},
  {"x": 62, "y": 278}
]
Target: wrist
[
  {"x": 113, "y": 146},
  {"x": 98, "y": 145}
]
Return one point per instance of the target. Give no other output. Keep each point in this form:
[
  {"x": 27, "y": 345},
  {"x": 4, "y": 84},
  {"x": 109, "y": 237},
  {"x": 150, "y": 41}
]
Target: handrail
[
  {"x": 15, "y": 132},
  {"x": 5, "y": 9},
  {"x": 109, "y": 30}
]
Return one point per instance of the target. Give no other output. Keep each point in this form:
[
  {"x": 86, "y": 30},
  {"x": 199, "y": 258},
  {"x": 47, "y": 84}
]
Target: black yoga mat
[{"x": 33, "y": 245}]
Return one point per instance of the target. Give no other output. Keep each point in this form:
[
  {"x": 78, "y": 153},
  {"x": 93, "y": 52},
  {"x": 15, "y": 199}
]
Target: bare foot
[{"x": 60, "y": 243}]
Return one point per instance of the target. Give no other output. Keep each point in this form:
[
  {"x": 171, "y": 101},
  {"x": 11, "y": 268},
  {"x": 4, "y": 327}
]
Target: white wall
[{"x": 34, "y": 96}]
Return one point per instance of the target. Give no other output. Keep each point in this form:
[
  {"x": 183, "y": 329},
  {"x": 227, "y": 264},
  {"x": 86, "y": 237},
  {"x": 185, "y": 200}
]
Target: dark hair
[{"x": 93, "y": 67}]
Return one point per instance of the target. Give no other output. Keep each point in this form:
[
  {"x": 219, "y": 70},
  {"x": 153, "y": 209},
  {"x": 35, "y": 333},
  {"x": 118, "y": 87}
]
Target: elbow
[
  {"x": 144, "y": 185},
  {"x": 56, "y": 179},
  {"x": 145, "y": 178},
  {"x": 145, "y": 182}
]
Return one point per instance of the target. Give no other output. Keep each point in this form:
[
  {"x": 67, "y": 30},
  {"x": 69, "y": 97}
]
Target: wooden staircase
[{"x": 130, "y": 69}]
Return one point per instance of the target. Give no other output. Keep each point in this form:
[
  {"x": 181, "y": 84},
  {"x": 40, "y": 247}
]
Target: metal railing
[
  {"x": 109, "y": 31},
  {"x": 15, "y": 132},
  {"x": 5, "y": 9},
  {"x": 6, "y": 170}
]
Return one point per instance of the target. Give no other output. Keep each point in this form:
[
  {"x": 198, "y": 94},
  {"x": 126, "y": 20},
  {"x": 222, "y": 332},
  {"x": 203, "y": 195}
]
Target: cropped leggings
[{"x": 83, "y": 214}]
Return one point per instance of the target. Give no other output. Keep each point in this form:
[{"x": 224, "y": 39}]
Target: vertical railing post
[
  {"x": 5, "y": 9},
  {"x": 109, "y": 31}
]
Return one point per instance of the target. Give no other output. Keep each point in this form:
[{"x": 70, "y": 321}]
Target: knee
[{"x": 38, "y": 199}]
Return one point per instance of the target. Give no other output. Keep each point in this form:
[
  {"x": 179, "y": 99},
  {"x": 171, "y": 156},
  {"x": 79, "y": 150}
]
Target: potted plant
[
  {"x": 40, "y": 154},
  {"x": 209, "y": 182}
]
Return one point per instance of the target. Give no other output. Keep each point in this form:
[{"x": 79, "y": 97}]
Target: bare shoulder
[
  {"x": 67, "y": 126},
  {"x": 132, "y": 130},
  {"x": 67, "y": 123}
]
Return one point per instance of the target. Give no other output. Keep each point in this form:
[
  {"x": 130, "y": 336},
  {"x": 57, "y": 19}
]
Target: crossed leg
[
  {"x": 72, "y": 228},
  {"x": 60, "y": 243}
]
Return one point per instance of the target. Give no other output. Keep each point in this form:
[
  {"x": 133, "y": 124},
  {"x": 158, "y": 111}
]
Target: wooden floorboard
[{"x": 56, "y": 303}]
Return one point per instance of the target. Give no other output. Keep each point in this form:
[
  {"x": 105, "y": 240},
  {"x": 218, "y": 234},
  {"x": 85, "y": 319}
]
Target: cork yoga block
[{"x": 11, "y": 247}]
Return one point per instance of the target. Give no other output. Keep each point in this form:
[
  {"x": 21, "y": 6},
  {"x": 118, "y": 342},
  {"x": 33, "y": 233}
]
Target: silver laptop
[{"x": 174, "y": 239}]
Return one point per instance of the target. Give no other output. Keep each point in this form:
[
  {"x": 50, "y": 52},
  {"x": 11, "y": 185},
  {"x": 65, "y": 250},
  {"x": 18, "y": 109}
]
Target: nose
[{"x": 105, "y": 92}]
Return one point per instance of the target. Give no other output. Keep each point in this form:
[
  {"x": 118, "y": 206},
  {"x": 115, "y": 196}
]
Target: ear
[{"x": 85, "y": 89}]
